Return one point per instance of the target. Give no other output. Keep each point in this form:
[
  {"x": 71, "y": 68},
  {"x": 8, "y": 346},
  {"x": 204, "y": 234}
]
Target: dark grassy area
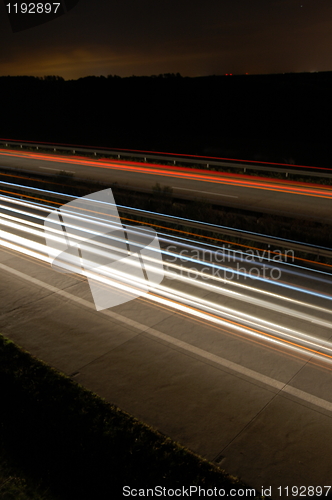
[
  {"x": 70, "y": 441},
  {"x": 15, "y": 485}
]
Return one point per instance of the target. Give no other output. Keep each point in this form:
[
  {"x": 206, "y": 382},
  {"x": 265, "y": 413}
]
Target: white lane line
[
  {"x": 206, "y": 192},
  {"x": 304, "y": 396},
  {"x": 58, "y": 170}
]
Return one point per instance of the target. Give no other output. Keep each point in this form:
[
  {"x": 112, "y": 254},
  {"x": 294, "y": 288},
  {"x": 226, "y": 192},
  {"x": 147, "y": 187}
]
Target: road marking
[
  {"x": 206, "y": 192},
  {"x": 58, "y": 170},
  {"x": 242, "y": 370},
  {"x": 281, "y": 386}
]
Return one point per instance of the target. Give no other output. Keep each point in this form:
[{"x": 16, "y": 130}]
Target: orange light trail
[
  {"x": 183, "y": 155},
  {"x": 187, "y": 233},
  {"x": 238, "y": 180},
  {"x": 193, "y": 311},
  {"x": 163, "y": 295}
]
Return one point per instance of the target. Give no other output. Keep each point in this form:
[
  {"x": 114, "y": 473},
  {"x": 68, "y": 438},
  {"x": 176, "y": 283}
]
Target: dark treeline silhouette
[{"x": 265, "y": 117}]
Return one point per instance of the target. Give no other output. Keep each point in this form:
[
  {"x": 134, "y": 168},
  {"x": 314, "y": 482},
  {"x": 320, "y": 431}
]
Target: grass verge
[{"x": 75, "y": 445}]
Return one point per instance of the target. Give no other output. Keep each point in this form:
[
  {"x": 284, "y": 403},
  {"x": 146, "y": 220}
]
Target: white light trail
[{"x": 187, "y": 303}]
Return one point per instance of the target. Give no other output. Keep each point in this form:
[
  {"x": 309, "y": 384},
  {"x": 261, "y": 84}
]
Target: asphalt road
[
  {"x": 260, "y": 409},
  {"x": 267, "y": 196}
]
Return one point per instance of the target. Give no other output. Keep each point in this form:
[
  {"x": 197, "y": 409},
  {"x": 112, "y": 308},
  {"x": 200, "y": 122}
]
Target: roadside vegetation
[
  {"x": 263, "y": 118},
  {"x": 67, "y": 443}
]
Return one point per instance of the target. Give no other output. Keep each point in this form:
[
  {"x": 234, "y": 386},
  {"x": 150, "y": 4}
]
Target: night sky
[{"x": 190, "y": 37}]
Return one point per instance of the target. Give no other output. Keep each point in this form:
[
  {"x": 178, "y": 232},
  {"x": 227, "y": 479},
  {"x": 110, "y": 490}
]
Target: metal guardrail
[
  {"x": 245, "y": 235},
  {"x": 212, "y": 228},
  {"x": 207, "y": 163}
]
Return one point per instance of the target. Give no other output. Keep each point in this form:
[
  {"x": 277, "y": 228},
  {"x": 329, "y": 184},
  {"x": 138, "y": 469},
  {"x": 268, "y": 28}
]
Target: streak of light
[
  {"x": 181, "y": 219},
  {"x": 41, "y": 206},
  {"x": 188, "y": 303},
  {"x": 202, "y": 262},
  {"x": 184, "y": 155},
  {"x": 239, "y": 180},
  {"x": 193, "y": 281}
]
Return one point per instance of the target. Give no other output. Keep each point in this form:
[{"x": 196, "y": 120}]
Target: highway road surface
[
  {"x": 277, "y": 196},
  {"x": 231, "y": 364}
]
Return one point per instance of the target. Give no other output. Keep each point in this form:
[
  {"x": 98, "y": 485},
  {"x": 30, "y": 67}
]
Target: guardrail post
[{"x": 162, "y": 159}]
